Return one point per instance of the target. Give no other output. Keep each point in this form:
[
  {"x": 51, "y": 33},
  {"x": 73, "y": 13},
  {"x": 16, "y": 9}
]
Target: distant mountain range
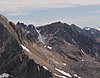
[{"x": 56, "y": 50}]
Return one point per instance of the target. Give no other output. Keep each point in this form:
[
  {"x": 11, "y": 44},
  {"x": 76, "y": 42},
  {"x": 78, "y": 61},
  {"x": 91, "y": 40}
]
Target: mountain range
[{"x": 56, "y": 50}]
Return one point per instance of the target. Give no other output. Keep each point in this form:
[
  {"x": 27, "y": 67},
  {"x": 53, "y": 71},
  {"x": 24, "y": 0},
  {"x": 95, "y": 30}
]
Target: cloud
[
  {"x": 98, "y": 12},
  {"x": 17, "y": 13},
  {"x": 17, "y": 7},
  {"x": 86, "y": 20},
  {"x": 91, "y": 21}
]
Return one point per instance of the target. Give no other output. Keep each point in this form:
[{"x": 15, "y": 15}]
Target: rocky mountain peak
[
  {"x": 56, "y": 50},
  {"x": 14, "y": 63}
]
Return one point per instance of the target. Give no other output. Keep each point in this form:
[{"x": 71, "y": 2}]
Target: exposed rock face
[
  {"x": 93, "y": 34},
  {"x": 14, "y": 61},
  {"x": 57, "y": 50},
  {"x": 27, "y": 31},
  {"x": 68, "y": 40},
  {"x": 56, "y": 33}
]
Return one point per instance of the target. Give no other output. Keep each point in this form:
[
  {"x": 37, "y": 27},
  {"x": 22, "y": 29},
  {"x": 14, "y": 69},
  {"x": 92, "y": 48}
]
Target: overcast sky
[{"x": 40, "y": 12}]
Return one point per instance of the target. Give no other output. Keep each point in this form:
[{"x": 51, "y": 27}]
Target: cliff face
[
  {"x": 13, "y": 60},
  {"x": 58, "y": 33}
]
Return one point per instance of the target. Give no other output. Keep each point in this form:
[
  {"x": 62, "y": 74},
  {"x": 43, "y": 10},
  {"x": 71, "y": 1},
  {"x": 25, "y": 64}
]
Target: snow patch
[
  {"x": 4, "y": 75},
  {"x": 45, "y": 67},
  {"x": 40, "y": 37},
  {"x": 28, "y": 32},
  {"x": 45, "y": 46},
  {"x": 69, "y": 44},
  {"x": 49, "y": 47},
  {"x": 93, "y": 58},
  {"x": 67, "y": 74},
  {"x": 59, "y": 75},
  {"x": 64, "y": 64},
  {"x": 82, "y": 60},
  {"x": 82, "y": 51},
  {"x": 38, "y": 68},
  {"x": 26, "y": 49},
  {"x": 98, "y": 28},
  {"x": 87, "y": 28},
  {"x": 77, "y": 76}
]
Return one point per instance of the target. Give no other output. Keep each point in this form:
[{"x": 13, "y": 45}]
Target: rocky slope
[
  {"x": 57, "y": 50},
  {"x": 58, "y": 33},
  {"x": 13, "y": 61},
  {"x": 93, "y": 34}
]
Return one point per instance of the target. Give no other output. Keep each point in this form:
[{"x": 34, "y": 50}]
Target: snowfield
[
  {"x": 64, "y": 73},
  {"x": 59, "y": 76},
  {"x": 45, "y": 67},
  {"x": 4, "y": 75},
  {"x": 26, "y": 49}
]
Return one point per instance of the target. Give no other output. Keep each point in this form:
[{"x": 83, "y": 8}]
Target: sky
[{"x": 83, "y": 13}]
